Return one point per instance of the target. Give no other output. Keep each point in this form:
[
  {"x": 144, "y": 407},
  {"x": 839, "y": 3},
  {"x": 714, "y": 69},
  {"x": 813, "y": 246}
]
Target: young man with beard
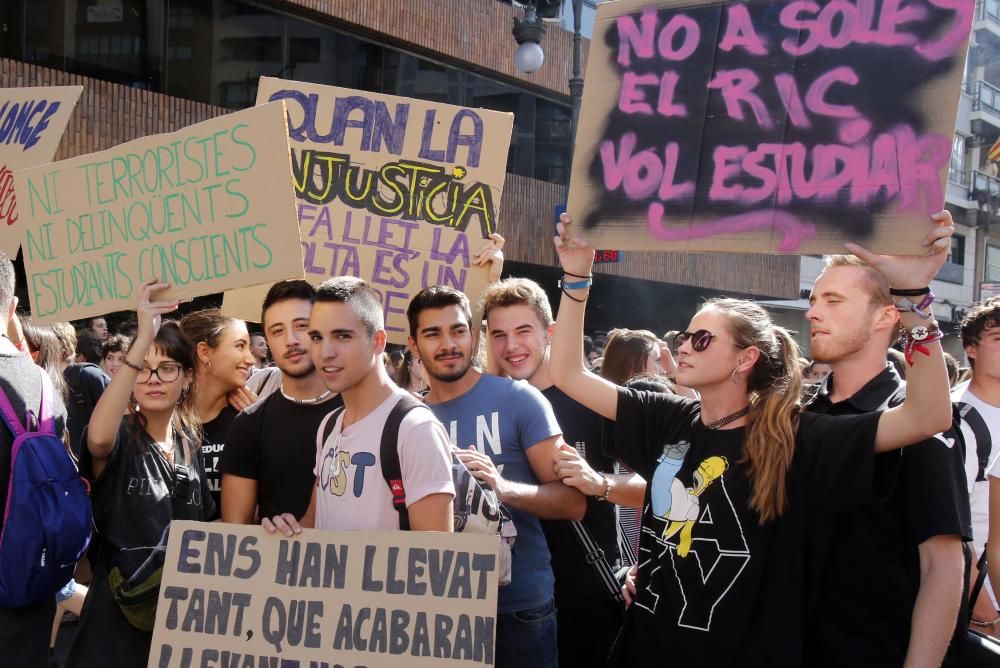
[
  {"x": 887, "y": 579},
  {"x": 513, "y": 441},
  {"x": 347, "y": 338},
  {"x": 270, "y": 449},
  {"x": 519, "y": 327}
]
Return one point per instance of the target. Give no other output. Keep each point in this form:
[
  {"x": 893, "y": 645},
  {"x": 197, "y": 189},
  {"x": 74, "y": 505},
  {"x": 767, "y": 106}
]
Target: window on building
[
  {"x": 956, "y": 170},
  {"x": 214, "y": 51},
  {"x": 956, "y": 255},
  {"x": 992, "y": 269}
]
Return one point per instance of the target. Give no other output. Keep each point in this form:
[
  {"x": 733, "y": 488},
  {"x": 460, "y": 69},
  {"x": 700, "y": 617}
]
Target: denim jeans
[{"x": 527, "y": 638}]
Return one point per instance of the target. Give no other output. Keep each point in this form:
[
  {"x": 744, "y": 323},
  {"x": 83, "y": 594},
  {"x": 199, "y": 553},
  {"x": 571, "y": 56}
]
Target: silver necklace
[{"x": 306, "y": 402}]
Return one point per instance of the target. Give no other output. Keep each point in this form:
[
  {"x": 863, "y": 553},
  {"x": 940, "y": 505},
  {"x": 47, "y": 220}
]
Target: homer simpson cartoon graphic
[{"x": 685, "y": 506}]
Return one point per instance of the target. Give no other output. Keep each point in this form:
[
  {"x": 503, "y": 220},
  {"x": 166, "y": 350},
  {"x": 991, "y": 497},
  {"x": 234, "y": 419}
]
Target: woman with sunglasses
[
  {"x": 146, "y": 470},
  {"x": 739, "y": 478}
]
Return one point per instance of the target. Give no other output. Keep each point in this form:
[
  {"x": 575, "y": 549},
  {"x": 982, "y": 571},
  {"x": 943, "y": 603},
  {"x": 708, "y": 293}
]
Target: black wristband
[
  {"x": 915, "y": 292},
  {"x": 579, "y": 301},
  {"x": 577, "y": 275}
]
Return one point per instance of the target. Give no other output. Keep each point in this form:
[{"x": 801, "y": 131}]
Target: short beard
[
  {"x": 298, "y": 375},
  {"x": 452, "y": 377},
  {"x": 843, "y": 349}
]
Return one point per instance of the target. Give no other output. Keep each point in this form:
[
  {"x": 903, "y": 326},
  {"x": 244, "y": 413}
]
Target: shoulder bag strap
[
  {"x": 980, "y": 581},
  {"x": 389, "y": 456},
  {"x": 596, "y": 557}
]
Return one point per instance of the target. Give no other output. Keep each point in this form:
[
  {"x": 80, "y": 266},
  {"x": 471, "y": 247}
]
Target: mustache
[
  {"x": 449, "y": 353},
  {"x": 294, "y": 351}
]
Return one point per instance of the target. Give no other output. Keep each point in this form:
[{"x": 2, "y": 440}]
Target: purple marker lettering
[
  {"x": 793, "y": 232},
  {"x": 614, "y": 163},
  {"x": 816, "y": 95},
  {"x": 737, "y": 86},
  {"x": 727, "y": 165},
  {"x": 668, "y": 189},
  {"x": 665, "y": 106},
  {"x": 632, "y": 38},
  {"x": 891, "y": 17},
  {"x": 687, "y": 28},
  {"x": 632, "y": 99},
  {"x": 954, "y": 38},
  {"x": 788, "y": 91},
  {"x": 741, "y": 33}
]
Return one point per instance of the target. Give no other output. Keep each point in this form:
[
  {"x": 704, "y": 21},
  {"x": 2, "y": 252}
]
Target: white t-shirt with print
[
  {"x": 979, "y": 486},
  {"x": 352, "y": 495},
  {"x": 979, "y": 491}
]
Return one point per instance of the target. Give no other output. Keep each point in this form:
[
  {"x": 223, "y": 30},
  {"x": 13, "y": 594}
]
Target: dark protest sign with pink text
[{"x": 768, "y": 126}]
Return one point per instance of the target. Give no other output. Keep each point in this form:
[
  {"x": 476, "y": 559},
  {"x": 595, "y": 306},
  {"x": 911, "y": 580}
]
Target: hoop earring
[{"x": 733, "y": 377}]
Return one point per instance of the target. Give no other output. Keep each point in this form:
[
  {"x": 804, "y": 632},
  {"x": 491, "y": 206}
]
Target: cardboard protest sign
[
  {"x": 207, "y": 208},
  {"x": 767, "y": 126},
  {"x": 396, "y": 191},
  {"x": 32, "y": 122},
  {"x": 232, "y": 595}
]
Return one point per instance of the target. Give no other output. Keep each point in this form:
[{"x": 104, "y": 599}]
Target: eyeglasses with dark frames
[{"x": 167, "y": 373}]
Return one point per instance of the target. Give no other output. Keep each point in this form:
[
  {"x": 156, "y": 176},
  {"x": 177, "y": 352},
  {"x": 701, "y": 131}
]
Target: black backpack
[
  {"x": 476, "y": 507},
  {"x": 80, "y": 403}
]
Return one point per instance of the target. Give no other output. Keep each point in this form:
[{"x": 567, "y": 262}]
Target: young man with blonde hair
[
  {"x": 519, "y": 328},
  {"x": 886, "y": 581}
]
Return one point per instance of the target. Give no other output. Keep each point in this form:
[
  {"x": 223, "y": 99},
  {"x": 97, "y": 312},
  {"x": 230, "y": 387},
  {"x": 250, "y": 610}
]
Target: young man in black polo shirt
[
  {"x": 519, "y": 328},
  {"x": 270, "y": 450},
  {"x": 886, "y": 581}
]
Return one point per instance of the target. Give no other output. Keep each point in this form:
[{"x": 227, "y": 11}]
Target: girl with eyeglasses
[
  {"x": 738, "y": 479},
  {"x": 145, "y": 469}
]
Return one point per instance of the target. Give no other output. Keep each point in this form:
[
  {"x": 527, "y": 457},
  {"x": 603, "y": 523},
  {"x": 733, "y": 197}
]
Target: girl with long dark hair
[
  {"x": 146, "y": 471},
  {"x": 739, "y": 479}
]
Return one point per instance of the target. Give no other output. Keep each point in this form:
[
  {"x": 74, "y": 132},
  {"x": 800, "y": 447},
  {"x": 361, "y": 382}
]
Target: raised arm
[
  {"x": 927, "y": 409},
  {"x": 566, "y": 356},
  {"x": 107, "y": 416}
]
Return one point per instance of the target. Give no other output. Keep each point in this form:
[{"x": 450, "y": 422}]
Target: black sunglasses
[{"x": 699, "y": 339}]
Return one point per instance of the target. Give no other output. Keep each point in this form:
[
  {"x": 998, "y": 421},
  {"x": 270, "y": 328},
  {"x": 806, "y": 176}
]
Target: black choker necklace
[{"x": 732, "y": 417}]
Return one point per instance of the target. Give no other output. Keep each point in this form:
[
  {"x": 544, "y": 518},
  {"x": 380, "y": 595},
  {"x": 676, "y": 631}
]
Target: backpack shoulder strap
[
  {"x": 327, "y": 426},
  {"x": 968, "y": 414},
  {"x": 46, "y": 409},
  {"x": 392, "y": 470}
]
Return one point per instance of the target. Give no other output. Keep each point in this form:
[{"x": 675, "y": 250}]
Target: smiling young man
[
  {"x": 519, "y": 328},
  {"x": 887, "y": 579},
  {"x": 347, "y": 338},
  {"x": 509, "y": 439},
  {"x": 270, "y": 449}
]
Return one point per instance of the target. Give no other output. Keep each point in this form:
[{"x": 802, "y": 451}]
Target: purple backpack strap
[
  {"x": 46, "y": 420},
  {"x": 9, "y": 416},
  {"x": 46, "y": 412}
]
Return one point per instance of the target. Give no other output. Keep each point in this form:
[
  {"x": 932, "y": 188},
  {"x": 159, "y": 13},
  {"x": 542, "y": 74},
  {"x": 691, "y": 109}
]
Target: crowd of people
[{"x": 753, "y": 507}]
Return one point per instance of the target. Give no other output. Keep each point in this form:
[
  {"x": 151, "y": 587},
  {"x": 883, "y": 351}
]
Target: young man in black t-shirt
[
  {"x": 519, "y": 328},
  {"x": 270, "y": 449},
  {"x": 24, "y": 632},
  {"x": 886, "y": 580}
]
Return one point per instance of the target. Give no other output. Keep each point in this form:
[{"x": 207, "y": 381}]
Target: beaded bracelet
[{"x": 607, "y": 488}]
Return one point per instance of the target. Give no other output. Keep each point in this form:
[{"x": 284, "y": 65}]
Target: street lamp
[
  {"x": 528, "y": 32},
  {"x": 529, "y": 57}
]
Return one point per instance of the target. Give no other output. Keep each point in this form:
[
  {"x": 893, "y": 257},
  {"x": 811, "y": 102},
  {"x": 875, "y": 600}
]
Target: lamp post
[{"x": 529, "y": 56}]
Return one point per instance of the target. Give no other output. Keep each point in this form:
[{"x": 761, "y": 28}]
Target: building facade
[{"x": 150, "y": 66}]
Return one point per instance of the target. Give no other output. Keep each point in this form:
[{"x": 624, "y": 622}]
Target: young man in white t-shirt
[
  {"x": 347, "y": 337},
  {"x": 978, "y": 402}
]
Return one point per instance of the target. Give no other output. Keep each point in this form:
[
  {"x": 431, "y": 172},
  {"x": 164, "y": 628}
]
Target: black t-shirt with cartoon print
[{"x": 715, "y": 586}]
